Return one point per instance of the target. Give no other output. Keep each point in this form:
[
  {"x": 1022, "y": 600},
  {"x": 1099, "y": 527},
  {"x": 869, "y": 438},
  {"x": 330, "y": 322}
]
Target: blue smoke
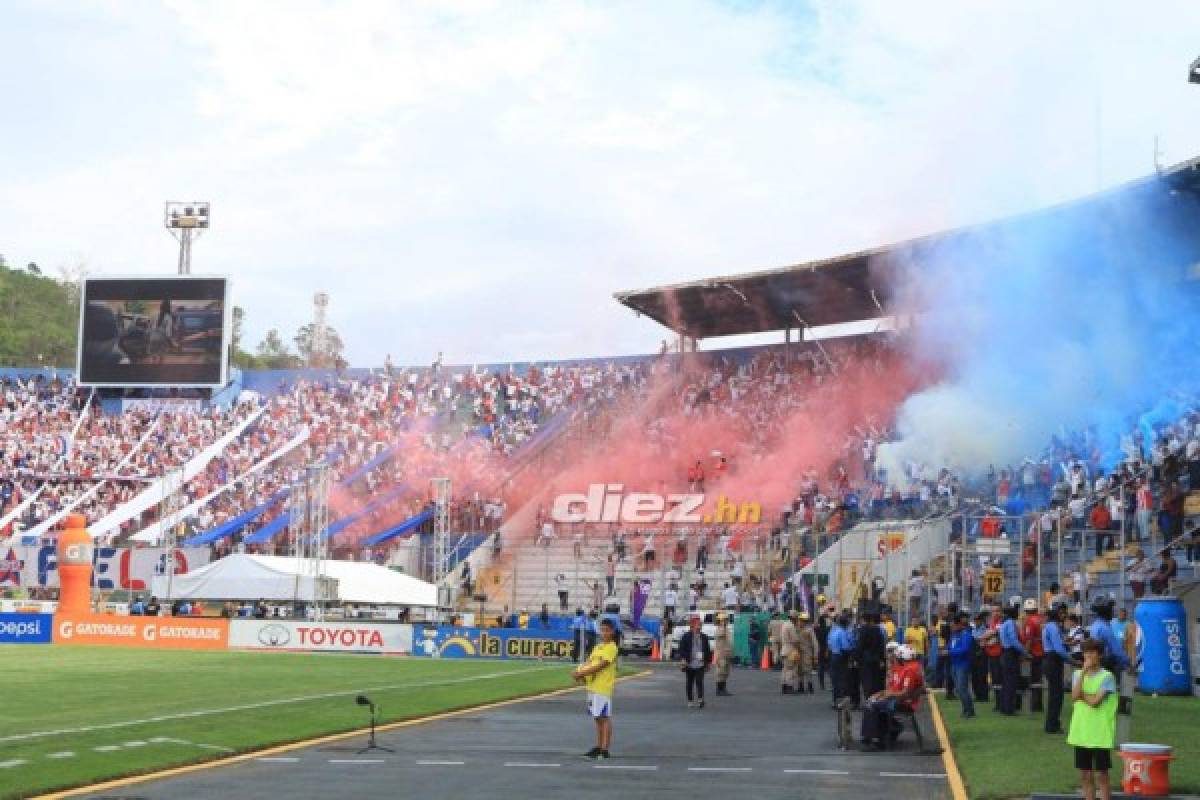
[{"x": 1084, "y": 317}]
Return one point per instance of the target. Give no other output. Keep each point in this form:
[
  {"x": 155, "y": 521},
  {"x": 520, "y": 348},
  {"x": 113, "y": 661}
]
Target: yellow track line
[
  {"x": 171, "y": 772},
  {"x": 958, "y": 789}
]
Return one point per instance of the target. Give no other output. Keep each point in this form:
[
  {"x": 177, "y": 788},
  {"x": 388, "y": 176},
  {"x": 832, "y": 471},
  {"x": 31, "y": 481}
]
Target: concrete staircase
[{"x": 524, "y": 576}]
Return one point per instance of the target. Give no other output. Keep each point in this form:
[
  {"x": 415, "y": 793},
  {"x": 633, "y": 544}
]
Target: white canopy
[{"x": 249, "y": 577}]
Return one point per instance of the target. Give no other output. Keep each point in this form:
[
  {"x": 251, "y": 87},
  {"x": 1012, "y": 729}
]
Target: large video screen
[{"x": 153, "y": 332}]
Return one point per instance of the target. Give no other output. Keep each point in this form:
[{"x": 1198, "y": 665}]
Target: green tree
[
  {"x": 328, "y": 355},
  {"x": 273, "y": 353},
  {"x": 38, "y": 318}
]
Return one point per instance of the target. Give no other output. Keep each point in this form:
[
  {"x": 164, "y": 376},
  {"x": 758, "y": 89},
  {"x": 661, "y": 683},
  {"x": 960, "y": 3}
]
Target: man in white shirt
[
  {"x": 729, "y": 597},
  {"x": 670, "y": 599}
]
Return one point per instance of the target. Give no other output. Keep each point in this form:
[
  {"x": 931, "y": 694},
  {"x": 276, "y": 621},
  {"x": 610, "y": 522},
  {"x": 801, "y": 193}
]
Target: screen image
[{"x": 153, "y": 332}]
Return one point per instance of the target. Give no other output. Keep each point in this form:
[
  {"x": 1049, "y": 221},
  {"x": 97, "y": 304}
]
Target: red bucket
[{"x": 1146, "y": 769}]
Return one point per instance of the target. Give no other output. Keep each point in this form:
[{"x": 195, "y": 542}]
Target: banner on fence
[
  {"x": 459, "y": 642},
  {"x": 336, "y": 637},
  {"x": 26, "y": 628},
  {"x": 167, "y": 633},
  {"x": 112, "y": 567}
]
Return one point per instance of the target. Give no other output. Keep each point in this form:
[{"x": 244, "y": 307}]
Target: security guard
[
  {"x": 839, "y": 658},
  {"x": 789, "y": 653},
  {"x": 723, "y": 652},
  {"x": 807, "y": 647},
  {"x": 1114, "y": 659},
  {"x": 1012, "y": 651},
  {"x": 773, "y": 630},
  {"x": 1031, "y": 635},
  {"x": 1056, "y": 657}
]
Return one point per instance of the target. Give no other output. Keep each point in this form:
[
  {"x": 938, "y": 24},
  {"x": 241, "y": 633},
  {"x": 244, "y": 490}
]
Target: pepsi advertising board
[{"x": 26, "y": 628}]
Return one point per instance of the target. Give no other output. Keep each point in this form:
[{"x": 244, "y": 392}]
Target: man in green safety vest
[{"x": 1093, "y": 721}]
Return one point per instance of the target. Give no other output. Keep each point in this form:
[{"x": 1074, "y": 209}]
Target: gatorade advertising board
[{"x": 163, "y": 633}]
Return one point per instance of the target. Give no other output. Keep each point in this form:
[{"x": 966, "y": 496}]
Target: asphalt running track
[{"x": 757, "y": 744}]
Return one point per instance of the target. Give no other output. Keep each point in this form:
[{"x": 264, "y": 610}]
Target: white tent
[{"x": 276, "y": 578}]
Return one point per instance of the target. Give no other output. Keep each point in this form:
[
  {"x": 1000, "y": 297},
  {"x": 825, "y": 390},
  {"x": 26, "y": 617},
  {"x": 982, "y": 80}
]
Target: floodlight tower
[
  {"x": 308, "y": 516},
  {"x": 441, "y": 530},
  {"x": 185, "y": 221},
  {"x": 1194, "y": 72},
  {"x": 319, "y": 329}
]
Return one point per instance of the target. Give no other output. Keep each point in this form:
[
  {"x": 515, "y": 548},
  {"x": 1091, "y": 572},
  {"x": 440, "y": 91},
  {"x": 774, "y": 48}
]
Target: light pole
[{"x": 185, "y": 221}]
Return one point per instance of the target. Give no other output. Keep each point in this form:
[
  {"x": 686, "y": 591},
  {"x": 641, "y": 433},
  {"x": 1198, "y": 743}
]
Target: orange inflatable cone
[
  {"x": 655, "y": 653},
  {"x": 766, "y": 659}
]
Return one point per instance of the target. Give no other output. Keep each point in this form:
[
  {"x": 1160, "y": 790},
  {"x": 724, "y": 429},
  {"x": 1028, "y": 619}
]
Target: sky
[{"x": 478, "y": 178}]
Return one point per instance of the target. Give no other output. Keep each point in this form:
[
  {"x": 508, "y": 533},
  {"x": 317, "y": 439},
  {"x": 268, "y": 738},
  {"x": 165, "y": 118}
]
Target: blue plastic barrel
[{"x": 1162, "y": 647}]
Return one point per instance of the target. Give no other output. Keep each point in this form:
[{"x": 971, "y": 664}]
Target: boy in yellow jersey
[{"x": 600, "y": 677}]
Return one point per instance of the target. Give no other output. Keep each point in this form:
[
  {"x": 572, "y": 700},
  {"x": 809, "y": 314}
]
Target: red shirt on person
[
  {"x": 1100, "y": 519},
  {"x": 908, "y": 678}
]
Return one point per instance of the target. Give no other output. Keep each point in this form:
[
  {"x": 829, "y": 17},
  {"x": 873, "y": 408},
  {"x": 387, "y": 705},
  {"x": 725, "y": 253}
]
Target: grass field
[
  {"x": 1002, "y": 757},
  {"x": 119, "y": 712}
]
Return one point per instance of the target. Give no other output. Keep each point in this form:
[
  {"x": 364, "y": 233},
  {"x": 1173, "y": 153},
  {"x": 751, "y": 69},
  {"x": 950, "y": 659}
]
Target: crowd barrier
[
  {"x": 26, "y": 628},
  {"x": 334, "y": 637},
  {"x": 459, "y": 642}
]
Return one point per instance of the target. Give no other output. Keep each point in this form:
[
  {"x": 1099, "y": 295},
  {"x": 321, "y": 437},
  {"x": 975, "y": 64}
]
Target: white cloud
[{"x": 480, "y": 178}]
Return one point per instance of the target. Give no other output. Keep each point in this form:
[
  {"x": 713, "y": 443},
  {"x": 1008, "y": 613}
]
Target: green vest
[{"x": 1094, "y": 727}]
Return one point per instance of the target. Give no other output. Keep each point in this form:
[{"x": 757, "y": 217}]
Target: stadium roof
[{"x": 846, "y": 288}]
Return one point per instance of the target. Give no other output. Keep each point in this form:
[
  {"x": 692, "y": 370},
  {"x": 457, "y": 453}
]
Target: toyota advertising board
[{"x": 329, "y": 637}]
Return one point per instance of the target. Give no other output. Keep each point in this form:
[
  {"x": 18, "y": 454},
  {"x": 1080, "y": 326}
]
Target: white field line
[
  {"x": 63, "y": 754},
  {"x": 16, "y": 762},
  {"x": 20, "y": 737},
  {"x": 816, "y": 772}
]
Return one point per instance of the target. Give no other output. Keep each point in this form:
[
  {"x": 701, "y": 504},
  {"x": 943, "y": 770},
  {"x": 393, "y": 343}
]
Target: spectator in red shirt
[
  {"x": 1100, "y": 520},
  {"x": 903, "y": 692}
]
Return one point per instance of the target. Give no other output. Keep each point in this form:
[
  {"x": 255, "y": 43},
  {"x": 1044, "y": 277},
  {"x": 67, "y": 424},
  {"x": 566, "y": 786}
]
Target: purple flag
[{"x": 641, "y": 593}]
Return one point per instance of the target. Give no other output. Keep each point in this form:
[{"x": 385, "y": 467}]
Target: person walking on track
[{"x": 695, "y": 654}]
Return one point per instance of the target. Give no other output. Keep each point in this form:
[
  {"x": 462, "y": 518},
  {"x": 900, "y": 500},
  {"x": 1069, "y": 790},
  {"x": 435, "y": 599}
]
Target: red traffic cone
[
  {"x": 655, "y": 653},
  {"x": 766, "y": 659}
]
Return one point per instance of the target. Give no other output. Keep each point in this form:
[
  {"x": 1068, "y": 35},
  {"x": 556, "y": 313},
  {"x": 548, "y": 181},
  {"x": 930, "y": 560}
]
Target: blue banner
[
  {"x": 26, "y": 628},
  {"x": 457, "y": 642}
]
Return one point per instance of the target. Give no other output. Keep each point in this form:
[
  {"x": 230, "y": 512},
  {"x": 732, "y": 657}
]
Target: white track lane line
[
  {"x": 528, "y": 764},
  {"x": 720, "y": 769},
  {"x": 912, "y": 775},
  {"x": 816, "y": 772},
  {"x": 357, "y": 761},
  {"x": 638, "y": 767},
  {"x": 440, "y": 763},
  {"x": 20, "y": 737},
  {"x": 278, "y": 760}
]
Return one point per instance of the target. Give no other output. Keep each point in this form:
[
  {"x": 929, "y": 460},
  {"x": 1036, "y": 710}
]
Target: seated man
[{"x": 903, "y": 692}]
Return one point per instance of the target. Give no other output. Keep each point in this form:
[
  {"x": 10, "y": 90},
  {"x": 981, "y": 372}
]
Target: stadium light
[
  {"x": 185, "y": 220},
  {"x": 363, "y": 700},
  {"x": 1194, "y": 72}
]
